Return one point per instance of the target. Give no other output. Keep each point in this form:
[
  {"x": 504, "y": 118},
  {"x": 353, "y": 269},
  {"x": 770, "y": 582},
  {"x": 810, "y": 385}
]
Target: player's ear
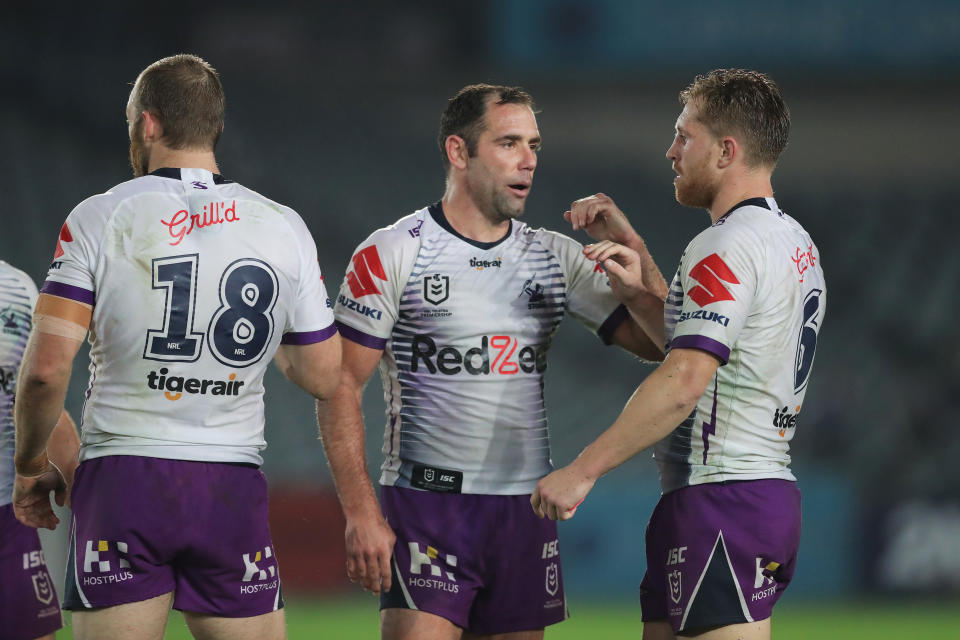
[
  {"x": 457, "y": 154},
  {"x": 152, "y": 129},
  {"x": 729, "y": 151}
]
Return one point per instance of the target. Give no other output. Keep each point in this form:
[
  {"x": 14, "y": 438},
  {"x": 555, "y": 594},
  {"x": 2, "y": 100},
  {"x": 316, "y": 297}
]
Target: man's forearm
[
  {"x": 341, "y": 431},
  {"x": 37, "y": 409}
]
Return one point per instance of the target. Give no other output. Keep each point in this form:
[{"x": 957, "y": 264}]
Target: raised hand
[{"x": 600, "y": 217}]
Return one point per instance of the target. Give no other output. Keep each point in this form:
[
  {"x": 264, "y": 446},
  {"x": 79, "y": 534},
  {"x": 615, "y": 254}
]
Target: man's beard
[
  {"x": 696, "y": 189},
  {"x": 505, "y": 207},
  {"x": 139, "y": 156}
]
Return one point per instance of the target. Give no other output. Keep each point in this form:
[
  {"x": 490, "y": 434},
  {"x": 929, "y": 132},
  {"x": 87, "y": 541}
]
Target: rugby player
[
  {"x": 29, "y": 607},
  {"x": 739, "y": 328},
  {"x": 188, "y": 284},
  {"x": 457, "y": 304}
]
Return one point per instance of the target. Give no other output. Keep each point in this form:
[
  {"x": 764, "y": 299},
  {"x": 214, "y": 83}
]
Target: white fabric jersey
[
  {"x": 465, "y": 327},
  {"x": 18, "y": 296},
  {"x": 195, "y": 282},
  {"x": 749, "y": 290}
]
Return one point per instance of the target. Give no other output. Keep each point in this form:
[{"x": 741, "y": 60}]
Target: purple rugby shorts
[
  {"x": 484, "y": 562},
  {"x": 720, "y": 553},
  {"x": 28, "y": 606},
  {"x": 143, "y": 527}
]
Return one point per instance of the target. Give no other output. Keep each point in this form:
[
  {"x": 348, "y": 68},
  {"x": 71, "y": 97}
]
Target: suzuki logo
[
  {"x": 366, "y": 265},
  {"x": 711, "y": 273}
]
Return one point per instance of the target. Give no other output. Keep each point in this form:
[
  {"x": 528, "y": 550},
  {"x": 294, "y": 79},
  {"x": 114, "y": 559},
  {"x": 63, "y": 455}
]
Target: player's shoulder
[
  {"x": 551, "y": 240},
  {"x": 12, "y": 277},
  {"x": 406, "y": 231}
]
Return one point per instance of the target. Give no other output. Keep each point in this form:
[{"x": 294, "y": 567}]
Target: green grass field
[{"x": 356, "y": 618}]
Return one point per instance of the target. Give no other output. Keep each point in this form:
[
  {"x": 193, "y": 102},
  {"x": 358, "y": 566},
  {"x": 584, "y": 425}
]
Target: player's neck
[
  {"x": 161, "y": 157},
  {"x": 468, "y": 220},
  {"x": 736, "y": 190}
]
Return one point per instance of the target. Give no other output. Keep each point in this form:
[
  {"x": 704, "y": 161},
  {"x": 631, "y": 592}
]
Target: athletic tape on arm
[{"x": 53, "y": 325}]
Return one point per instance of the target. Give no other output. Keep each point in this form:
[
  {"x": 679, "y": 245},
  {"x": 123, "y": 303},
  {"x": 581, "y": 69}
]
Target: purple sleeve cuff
[
  {"x": 68, "y": 291},
  {"x": 704, "y": 344},
  {"x": 360, "y": 337},
  {"x": 308, "y": 337},
  {"x": 611, "y": 323}
]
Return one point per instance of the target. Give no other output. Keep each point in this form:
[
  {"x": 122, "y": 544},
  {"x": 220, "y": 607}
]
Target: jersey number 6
[{"x": 240, "y": 328}]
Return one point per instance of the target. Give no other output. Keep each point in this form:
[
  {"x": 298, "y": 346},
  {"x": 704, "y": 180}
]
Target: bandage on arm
[{"x": 62, "y": 317}]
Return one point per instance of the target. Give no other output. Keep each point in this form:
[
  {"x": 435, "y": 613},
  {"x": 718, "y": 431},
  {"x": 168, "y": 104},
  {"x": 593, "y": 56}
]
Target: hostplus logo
[
  {"x": 764, "y": 584},
  {"x": 260, "y": 569},
  {"x": 105, "y": 562},
  {"x": 440, "y": 577},
  {"x": 508, "y": 357},
  {"x": 173, "y": 387}
]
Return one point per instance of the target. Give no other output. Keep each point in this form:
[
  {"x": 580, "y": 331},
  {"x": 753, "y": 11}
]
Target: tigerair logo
[
  {"x": 480, "y": 265},
  {"x": 508, "y": 357},
  {"x": 174, "y": 387},
  {"x": 783, "y": 420}
]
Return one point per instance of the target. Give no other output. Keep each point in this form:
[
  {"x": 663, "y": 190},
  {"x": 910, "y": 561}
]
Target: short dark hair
[
  {"x": 744, "y": 102},
  {"x": 464, "y": 115},
  {"x": 185, "y": 95}
]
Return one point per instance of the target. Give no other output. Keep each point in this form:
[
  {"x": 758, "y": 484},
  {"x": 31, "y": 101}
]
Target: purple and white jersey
[
  {"x": 749, "y": 290},
  {"x": 18, "y": 296},
  {"x": 194, "y": 281},
  {"x": 465, "y": 327}
]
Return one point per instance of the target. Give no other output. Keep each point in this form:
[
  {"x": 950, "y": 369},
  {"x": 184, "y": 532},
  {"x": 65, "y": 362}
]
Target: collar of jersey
[
  {"x": 436, "y": 212},
  {"x": 749, "y": 202},
  {"x": 174, "y": 172}
]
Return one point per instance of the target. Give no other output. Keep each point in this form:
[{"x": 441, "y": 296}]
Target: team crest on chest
[{"x": 436, "y": 288}]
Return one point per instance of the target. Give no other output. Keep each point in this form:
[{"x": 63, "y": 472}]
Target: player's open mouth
[{"x": 520, "y": 189}]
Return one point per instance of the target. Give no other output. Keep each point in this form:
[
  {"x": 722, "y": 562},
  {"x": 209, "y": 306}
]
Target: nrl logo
[
  {"x": 673, "y": 578},
  {"x": 42, "y": 588},
  {"x": 429, "y": 474},
  {"x": 436, "y": 288},
  {"x": 552, "y": 582}
]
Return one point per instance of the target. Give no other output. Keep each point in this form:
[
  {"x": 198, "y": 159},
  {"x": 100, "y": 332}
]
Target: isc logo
[
  {"x": 550, "y": 549},
  {"x": 675, "y": 556},
  {"x": 33, "y": 559}
]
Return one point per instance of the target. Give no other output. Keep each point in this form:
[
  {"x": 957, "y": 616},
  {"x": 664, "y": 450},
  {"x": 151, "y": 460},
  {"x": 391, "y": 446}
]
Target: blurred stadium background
[{"x": 333, "y": 109}]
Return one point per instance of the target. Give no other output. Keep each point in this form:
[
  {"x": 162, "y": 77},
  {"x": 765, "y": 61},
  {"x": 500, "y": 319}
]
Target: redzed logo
[
  {"x": 366, "y": 264},
  {"x": 64, "y": 237},
  {"x": 711, "y": 273}
]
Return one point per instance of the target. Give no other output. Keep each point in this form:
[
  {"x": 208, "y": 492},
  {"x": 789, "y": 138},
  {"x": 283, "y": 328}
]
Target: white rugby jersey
[
  {"x": 465, "y": 327},
  {"x": 195, "y": 281},
  {"x": 749, "y": 290},
  {"x": 18, "y": 296}
]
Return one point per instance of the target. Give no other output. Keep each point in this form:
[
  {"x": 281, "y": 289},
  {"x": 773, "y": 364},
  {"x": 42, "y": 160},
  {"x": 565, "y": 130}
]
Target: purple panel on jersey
[
  {"x": 720, "y": 553},
  {"x": 29, "y": 607},
  {"x": 308, "y": 337},
  {"x": 704, "y": 344},
  {"x": 69, "y": 291},
  {"x": 611, "y": 323},
  {"x": 143, "y": 527},
  {"x": 485, "y": 563},
  {"x": 360, "y": 337}
]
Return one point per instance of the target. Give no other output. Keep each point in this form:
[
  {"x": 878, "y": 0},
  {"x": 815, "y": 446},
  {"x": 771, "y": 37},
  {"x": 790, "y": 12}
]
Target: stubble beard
[
  {"x": 139, "y": 156},
  {"x": 696, "y": 189}
]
